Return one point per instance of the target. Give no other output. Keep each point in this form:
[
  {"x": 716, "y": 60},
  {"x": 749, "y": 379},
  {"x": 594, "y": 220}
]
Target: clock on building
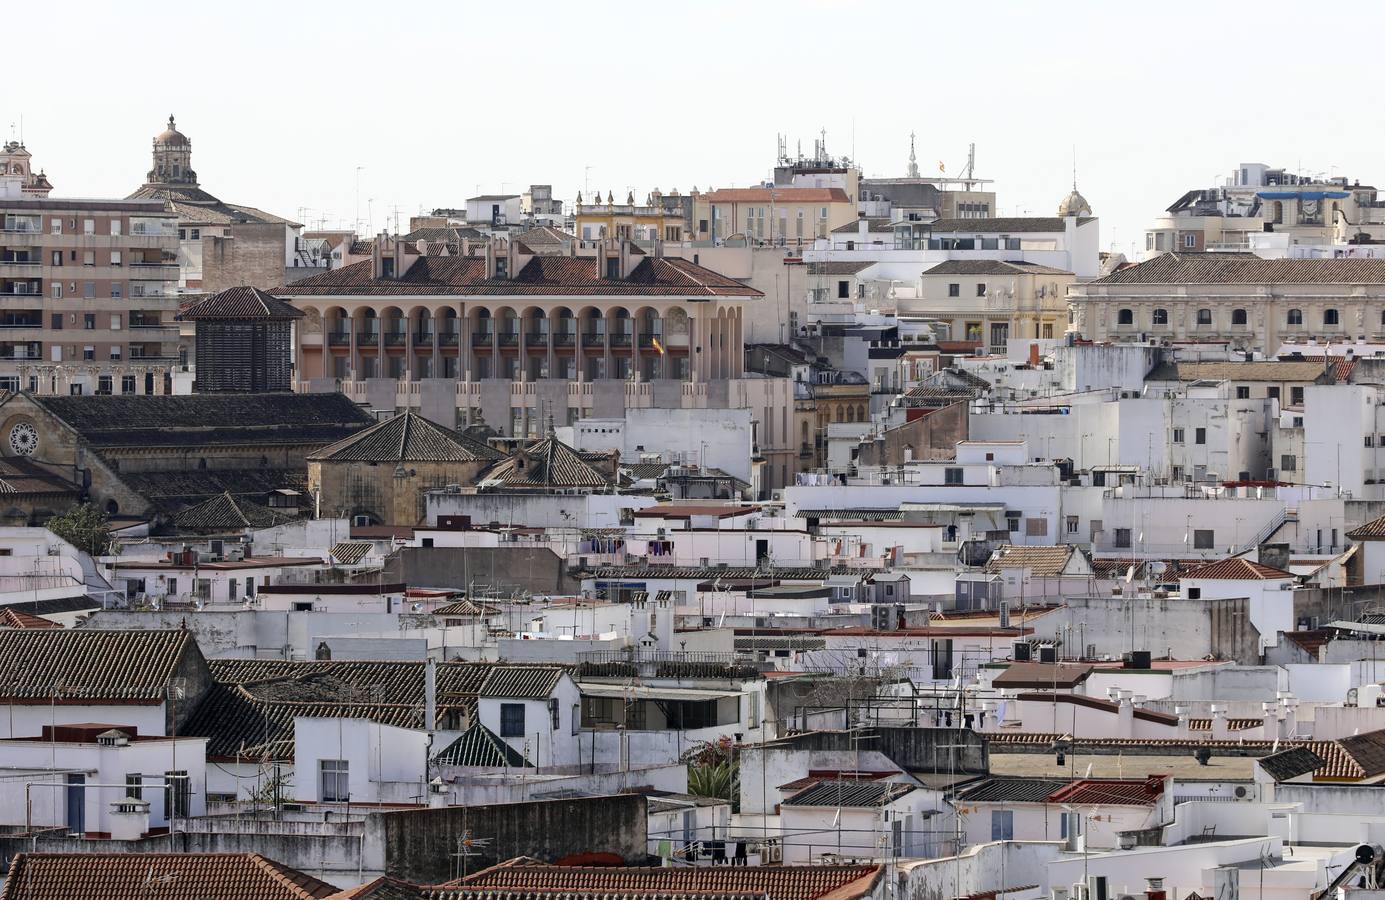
[{"x": 23, "y": 439}]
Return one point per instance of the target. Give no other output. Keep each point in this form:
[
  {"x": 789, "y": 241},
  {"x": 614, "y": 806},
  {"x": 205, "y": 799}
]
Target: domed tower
[
  {"x": 172, "y": 158},
  {"x": 1074, "y": 204}
]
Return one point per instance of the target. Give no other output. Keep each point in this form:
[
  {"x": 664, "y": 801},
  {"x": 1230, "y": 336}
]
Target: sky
[{"x": 291, "y": 106}]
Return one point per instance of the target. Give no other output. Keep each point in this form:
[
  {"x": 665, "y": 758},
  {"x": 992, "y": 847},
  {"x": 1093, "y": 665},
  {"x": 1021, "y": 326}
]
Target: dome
[
  {"x": 1074, "y": 204},
  {"x": 171, "y": 136}
]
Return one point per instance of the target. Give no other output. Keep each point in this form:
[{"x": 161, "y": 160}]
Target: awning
[
  {"x": 1359, "y": 627},
  {"x": 641, "y": 692}
]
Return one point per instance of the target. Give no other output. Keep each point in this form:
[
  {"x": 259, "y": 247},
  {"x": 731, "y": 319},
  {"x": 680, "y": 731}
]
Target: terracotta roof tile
[
  {"x": 1041, "y": 561},
  {"x": 1247, "y": 268},
  {"x": 406, "y": 437},
  {"x": 116, "y": 876},
  {"x": 239, "y": 303},
  {"x": 1101, "y": 791},
  {"x": 1238, "y": 568},
  {"x": 118, "y": 666},
  {"x": 13, "y": 618},
  {"x": 547, "y": 464}
]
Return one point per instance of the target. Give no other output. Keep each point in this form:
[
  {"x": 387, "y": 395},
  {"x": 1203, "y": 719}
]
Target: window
[
  {"x": 1238, "y": 317},
  {"x": 1204, "y": 317},
  {"x": 1012, "y": 523},
  {"x": 336, "y": 780},
  {"x": 1295, "y": 396},
  {"x": 88, "y": 258},
  {"x": 127, "y": 384},
  {"x": 1242, "y": 392},
  {"x": 1370, "y": 440},
  {"x": 195, "y": 234},
  {"x": 1202, "y": 538},
  {"x": 103, "y": 385},
  {"x": 89, "y": 321},
  {"x": 57, "y": 290},
  {"x": 1272, "y": 392},
  {"x": 554, "y": 717},
  {"x": 88, "y": 226},
  {"x": 843, "y": 290},
  {"x": 115, "y": 227},
  {"x": 576, "y": 717},
  {"x": 115, "y": 290},
  {"x": 954, "y": 290},
  {"x": 179, "y": 793},
  {"x": 57, "y": 257},
  {"x": 1199, "y": 435},
  {"x": 1329, "y": 317},
  {"x": 1072, "y": 524},
  {"x": 1161, "y": 316},
  {"x": 1125, "y": 317},
  {"x": 512, "y": 720},
  {"x": 1190, "y": 241},
  {"x": 952, "y": 476},
  {"x": 1002, "y": 825},
  {"x": 1178, "y": 435},
  {"x": 1295, "y": 317},
  {"x": 1123, "y": 538},
  {"x": 981, "y": 290},
  {"x": 55, "y": 226},
  {"x": 134, "y": 786},
  {"x": 89, "y": 290},
  {"x": 88, "y": 352},
  {"x": 115, "y": 321}
]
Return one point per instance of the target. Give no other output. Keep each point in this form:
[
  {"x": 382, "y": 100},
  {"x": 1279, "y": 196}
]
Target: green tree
[
  {"x": 84, "y": 527},
  {"x": 714, "y": 771}
]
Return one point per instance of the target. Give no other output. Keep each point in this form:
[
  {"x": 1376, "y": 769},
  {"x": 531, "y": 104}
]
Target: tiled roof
[
  {"x": 1006, "y": 789},
  {"x": 240, "y": 303},
  {"x": 1339, "y": 764},
  {"x": 838, "y": 267},
  {"x": 463, "y": 608},
  {"x": 224, "y": 513},
  {"x": 208, "y": 419},
  {"x": 116, "y": 666},
  {"x": 1238, "y": 568},
  {"x": 1291, "y": 763},
  {"x": 521, "y": 682},
  {"x": 21, "y": 475},
  {"x": 198, "y": 484},
  {"x": 13, "y": 618},
  {"x": 1310, "y": 640},
  {"x": 1148, "y": 715},
  {"x": 991, "y": 267},
  {"x": 547, "y": 464},
  {"x": 1100, "y": 791},
  {"x": 1253, "y": 370},
  {"x": 1041, "y": 561},
  {"x": 781, "y": 195},
  {"x": 1247, "y": 268},
  {"x": 541, "y": 275},
  {"x": 687, "y": 509},
  {"x": 406, "y": 437},
  {"x": 478, "y": 747},
  {"x": 778, "y": 882},
  {"x": 1043, "y": 675},
  {"x": 858, "y": 514},
  {"x": 118, "y": 876},
  {"x": 1374, "y": 530},
  {"x": 349, "y": 553},
  {"x": 1000, "y": 225},
  {"x": 781, "y": 573},
  {"x": 1232, "y": 724},
  {"x": 844, "y": 792},
  {"x": 875, "y": 224}
]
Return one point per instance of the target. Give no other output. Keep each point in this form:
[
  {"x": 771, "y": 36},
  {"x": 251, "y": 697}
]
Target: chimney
[
  {"x": 1221, "y": 729},
  {"x": 490, "y": 259},
  {"x": 437, "y": 794},
  {"x": 129, "y": 819},
  {"x": 1154, "y": 889},
  {"x": 430, "y": 694},
  {"x": 398, "y": 247},
  {"x": 1033, "y": 356},
  {"x": 1125, "y": 717},
  {"x": 377, "y": 258}
]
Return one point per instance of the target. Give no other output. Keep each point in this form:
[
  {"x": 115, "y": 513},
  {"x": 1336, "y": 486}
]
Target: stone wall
[
  {"x": 377, "y": 489},
  {"x": 933, "y": 436},
  {"x": 252, "y": 255}
]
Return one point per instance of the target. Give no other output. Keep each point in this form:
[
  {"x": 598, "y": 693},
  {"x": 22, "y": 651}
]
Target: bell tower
[{"x": 172, "y": 158}]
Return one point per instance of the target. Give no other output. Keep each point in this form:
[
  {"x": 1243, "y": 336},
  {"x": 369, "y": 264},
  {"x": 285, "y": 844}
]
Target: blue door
[{"x": 76, "y": 804}]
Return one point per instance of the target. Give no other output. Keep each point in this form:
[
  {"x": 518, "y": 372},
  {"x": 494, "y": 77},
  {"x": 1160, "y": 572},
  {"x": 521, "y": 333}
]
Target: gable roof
[
  {"x": 1102, "y": 791},
  {"x": 1247, "y": 268},
  {"x": 992, "y": 267},
  {"x": 1010, "y": 789},
  {"x": 548, "y": 463},
  {"x": 225, "y": 513},
  {"x": 838, "y": 267},
  {"x": 844, "y": 792},
  {"x": 406, "y": 437},
  {"x": 1040, "y": 560},
  {"x": 116, "y": 876},
  {"x": 131, "y": 666},
  {"x": 1148, "y": 715},
  {"x": 874, "y": 224},
  {"x": 563, "y": 276},
  {"x": 1291, "y": 763},
  {"x": 1043, "y": 675},
  {"x": 239, "y": 303},
  {"x": 1237, "y": 568},
  {"x": 13, "y": 618},
  {"x": 528, "y": 879},
  {"x": 1254, "y": 370},
  {"x": 1374, "y": 530},
  {"x": 479, "y": 747}
]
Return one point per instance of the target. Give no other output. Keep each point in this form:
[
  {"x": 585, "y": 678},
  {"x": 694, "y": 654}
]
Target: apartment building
[
  {"x": 771, "y": 215},
  {"x": 87, "y": 294}
]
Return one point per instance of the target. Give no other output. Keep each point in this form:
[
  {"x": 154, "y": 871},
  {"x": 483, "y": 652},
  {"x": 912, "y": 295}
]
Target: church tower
[{"x": 172, "y": 158}]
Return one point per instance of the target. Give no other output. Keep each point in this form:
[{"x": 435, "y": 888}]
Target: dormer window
[
  {"x": 502, "y": 268},
  {"x": 387, "y": 267},
  {"x": 613, "y": 268}
]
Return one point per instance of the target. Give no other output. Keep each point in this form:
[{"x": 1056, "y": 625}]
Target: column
[{"x": 354, "y": 355}]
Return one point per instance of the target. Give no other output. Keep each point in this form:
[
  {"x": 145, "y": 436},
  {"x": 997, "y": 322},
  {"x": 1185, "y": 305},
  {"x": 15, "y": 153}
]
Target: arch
[
  {"x": 1295, "y": 317},
  {"x": 336, "y": 322},
  {"x": 1125, "y": 316},
  {"x": 534, "y": 321},
  {"x": 861, "y": 412},
  {"x": 564, "y": 322},
  {"x": 1161, "y": 316},
  {"x": 1331, "y": 316},
  {"x": 1204, "y": 316},
  {"x": 850, "y": 413},
  {"x": 1277, "y": 212},
  {"x": 676, "y": 320},
  {"x": 1239, "y": 317},
  {"x": 591, "y": 323}
]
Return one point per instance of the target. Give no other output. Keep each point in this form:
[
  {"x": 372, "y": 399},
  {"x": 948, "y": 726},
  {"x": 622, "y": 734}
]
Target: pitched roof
[
  {"x": 1374, "y": 530},
  {"x": 464, "y": 607},
  {"x": 849, "y": 792},
  {"x": 1040, "y": 560},
  {"x": 1043, "y": 675},
  {"x": 239, "y": 303},
  {"x": 548, "y": 463},
  {"x": 1101, "y": 791},
  {"x": 779, "y": 882},
  {"x": 406, "y": 437},
  {"x": 207, "y": 419},
  {"x": 116, "y": 876},
  {"x": 119, "y": 666},
  {"x": 13, "y": 618},
  {"x": 1238, "y": 568},
  {"x": 349, "y": 553},
  {"x": 992, "y": 267},
  {"x": 521, "y": 682},
  {"x": 1010, "y": 789},
  {"x": 876, "y": 224},
  {"x": 838, "y": 267},
  {"x": 778, "y": 195},
  {"x": 1148, "y": 715},
  {"x": 1247, "y": 268},
  {"x": 1274, "y": 370},
  {"x": 479, "y": 747},
  {"x": 561, "y": 276},
  {"x": 225, "y": 513},
  {"x": 1001, "y": 225},
  {"x": 1291, "y": 763}
]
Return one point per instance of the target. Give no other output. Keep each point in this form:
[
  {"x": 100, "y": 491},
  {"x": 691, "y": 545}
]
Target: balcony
[
  {"x": 509, "y": 340},
  {"x": 20, "y": 290},
  {"x": 480, "y": 339},
  {"x": 153, "y": 271},
  {"x": 448, "y": 339},
  {"x": 22, "y": 226},
  {"x": 564, "y": 340},
  {"x": 593, "y": 339},
  {"x": 367, "y": 338},
  {"x": 394, "y": 338},
  {"x": 339, "y": 339},
  {"x": 423, "y": 340},
  {"x": 621, "y": 340},
  {"x": 536, "y": 339},
  {"x": 647, "y": 340}
]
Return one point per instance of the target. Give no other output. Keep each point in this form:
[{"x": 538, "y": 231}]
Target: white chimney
[
  {"x": 430, "y": 694},
  {"x": 437, "y": 794},
  {"x": 129, "y": 819}
]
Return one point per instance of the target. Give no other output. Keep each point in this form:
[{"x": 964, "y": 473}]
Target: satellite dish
[{"x": 1158, "y": 567}]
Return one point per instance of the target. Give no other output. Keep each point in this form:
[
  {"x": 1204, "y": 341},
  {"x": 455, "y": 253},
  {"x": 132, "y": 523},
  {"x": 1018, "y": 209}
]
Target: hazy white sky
[{"x": 283, "y": 101}]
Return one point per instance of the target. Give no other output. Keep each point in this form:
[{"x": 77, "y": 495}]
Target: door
[{"x": 76, "y": 804}]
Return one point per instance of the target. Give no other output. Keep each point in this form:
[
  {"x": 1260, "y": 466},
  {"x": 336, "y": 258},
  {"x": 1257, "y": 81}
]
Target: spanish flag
[
  {"x": 657, "y": 346},
  {"x": 941, "y": 166}
]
